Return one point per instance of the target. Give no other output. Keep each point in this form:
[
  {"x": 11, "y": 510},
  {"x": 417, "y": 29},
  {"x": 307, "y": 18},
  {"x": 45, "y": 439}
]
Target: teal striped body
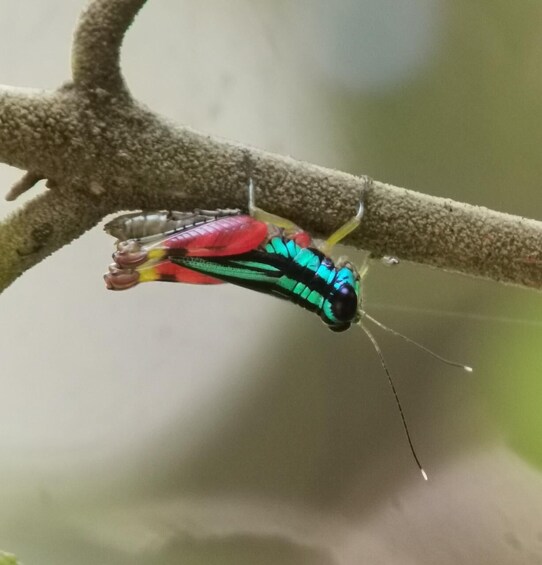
[{"x": 303, "y": 275}]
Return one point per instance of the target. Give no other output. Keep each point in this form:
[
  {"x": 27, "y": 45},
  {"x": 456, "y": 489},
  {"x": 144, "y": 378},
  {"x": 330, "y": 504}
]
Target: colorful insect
[{"x": 258, "y": 251}]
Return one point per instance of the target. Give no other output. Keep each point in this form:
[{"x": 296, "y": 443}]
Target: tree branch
[
  {"x": 102, "y": 152},
  {"x": 26, "y": 182},
  {"x": 97, "y": 41}
]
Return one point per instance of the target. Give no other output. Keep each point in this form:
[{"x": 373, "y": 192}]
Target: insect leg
[
  {"x": 267, "y": 217},
  {"x": 350, "y": 225}
]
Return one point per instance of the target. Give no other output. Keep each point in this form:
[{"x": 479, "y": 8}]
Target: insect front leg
[{"x": 350, "y": 225}]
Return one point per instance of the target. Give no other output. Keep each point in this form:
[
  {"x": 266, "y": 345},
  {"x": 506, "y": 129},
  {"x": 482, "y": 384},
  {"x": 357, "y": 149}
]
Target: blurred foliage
[
  {"x": 514, "y": 390},
  {"x": 469, "y": 127},
  {"x": 8, "y": 559}
]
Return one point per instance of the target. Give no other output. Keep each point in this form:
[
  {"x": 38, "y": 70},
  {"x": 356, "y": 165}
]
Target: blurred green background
[{"x": 188, "y": 424}]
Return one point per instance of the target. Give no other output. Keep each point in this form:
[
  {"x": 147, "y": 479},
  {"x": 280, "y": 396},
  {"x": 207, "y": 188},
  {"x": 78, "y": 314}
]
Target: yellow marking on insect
[
  {"x": 154, "y": 254},
  {"x": 148, "y": 274}
]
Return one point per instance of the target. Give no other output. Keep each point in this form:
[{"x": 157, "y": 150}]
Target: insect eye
[{"x": 345, "y": 303}]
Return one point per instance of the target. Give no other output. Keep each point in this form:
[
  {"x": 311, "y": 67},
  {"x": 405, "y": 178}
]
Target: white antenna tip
[
  {"x": 468, "y": 369},
  {"x": 424, "y": 475}
]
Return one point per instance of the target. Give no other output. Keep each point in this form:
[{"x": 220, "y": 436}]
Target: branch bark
[
  {"x": 103, "y": 152},
  {"x": 97, "y": 41}
]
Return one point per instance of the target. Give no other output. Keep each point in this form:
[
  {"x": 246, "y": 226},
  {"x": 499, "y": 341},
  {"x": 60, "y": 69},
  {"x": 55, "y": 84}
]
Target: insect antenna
[
  {"x": 396, "y": 395},
  {"x": 418, "y": 345}
]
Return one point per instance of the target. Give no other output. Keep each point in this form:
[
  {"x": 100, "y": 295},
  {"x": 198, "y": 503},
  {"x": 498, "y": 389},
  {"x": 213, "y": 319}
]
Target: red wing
[
  {"x": 230, "y": 235},
  {"x": 170, "y": 272}
]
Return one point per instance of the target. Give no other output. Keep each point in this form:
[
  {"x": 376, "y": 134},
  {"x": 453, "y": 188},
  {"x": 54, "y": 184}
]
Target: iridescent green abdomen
[{"x": 303, "y": 275}]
